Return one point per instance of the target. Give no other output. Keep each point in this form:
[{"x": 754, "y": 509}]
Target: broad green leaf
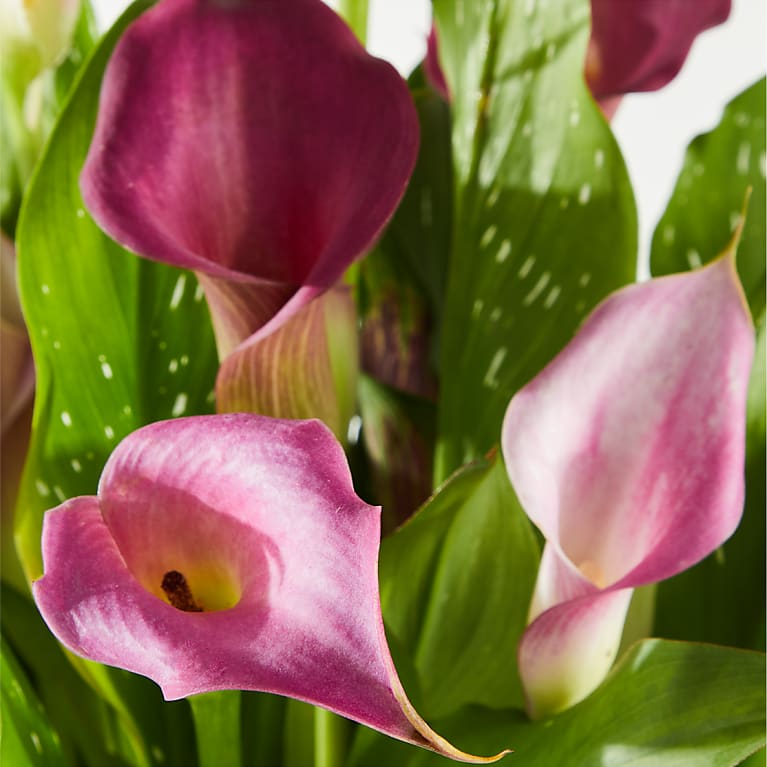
[
  {"x": 26, "y": 737},
  {"x": 118, "y": 341},
  {"x": 217, "y": 728},
  {"x": 456, "y": 582},
  {"x": 673, "y": 704},
  {"x": 706, "y": 205},
  {"x": 544, "y": 223}
]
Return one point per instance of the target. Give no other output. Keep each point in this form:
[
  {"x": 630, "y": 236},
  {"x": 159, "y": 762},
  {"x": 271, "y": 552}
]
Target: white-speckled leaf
[
  {"x": 118, "y": 341},
  {"x": 544, "y": 223}
]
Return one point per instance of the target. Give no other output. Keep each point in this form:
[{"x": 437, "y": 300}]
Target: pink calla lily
[
  {"x": 230, "y": 552},
  {"x": 627, "y": 451},
  {"x": 239, "y": 139}
]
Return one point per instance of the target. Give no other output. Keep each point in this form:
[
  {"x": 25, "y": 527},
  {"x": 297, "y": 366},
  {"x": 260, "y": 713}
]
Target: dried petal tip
[{"x": 231, "y": 552}]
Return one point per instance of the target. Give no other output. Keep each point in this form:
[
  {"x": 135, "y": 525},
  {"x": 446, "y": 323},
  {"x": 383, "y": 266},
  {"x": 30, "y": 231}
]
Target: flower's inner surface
[{"x": 593, "y": 572}]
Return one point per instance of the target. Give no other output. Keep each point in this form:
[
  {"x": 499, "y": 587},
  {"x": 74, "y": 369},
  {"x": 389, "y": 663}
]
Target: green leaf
[
  {"x": 544, "y": 223},
  {"x": 118, "y": 341},
  {"x": 666, "y": 703},
  {"x": 708, "y": 198},
  {"x": 456, "y": 582},
  {"x": 26, "y": 737},
  {"x": 217, "y": 728}
]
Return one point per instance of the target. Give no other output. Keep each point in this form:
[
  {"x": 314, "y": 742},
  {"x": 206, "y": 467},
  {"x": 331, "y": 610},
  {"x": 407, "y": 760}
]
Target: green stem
[
  {"x": 356, "y": 14},
  {"x": 217, "y": 728},
  {"x": 330, "y": 738}
]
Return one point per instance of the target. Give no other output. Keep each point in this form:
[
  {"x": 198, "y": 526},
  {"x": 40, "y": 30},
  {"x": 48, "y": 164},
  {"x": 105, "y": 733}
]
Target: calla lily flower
[
  {"x": 253, "y": 141},
  {"x": 627, "y": 451},
  {"x": 230, "y": 552},
  {"x": 635, "y": 45},
  {"x": 640, "y": 45}
]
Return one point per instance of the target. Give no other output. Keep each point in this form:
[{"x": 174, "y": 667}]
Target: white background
[{"x": 653, "y": 129}]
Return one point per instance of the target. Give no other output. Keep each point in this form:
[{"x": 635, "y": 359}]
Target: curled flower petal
[
  {"x": 640, "y": 45},
  {"x": 306, "y": 368},
  {"x": 239, "y": 139},
  {"x": 230, "y": 552},
  {"x": 568, "y": 650},
  {"x": 627, "y": 451}
]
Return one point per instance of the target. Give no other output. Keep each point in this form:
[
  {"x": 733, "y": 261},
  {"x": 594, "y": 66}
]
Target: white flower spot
[
  {"x": 552, "y": 297},
  {"x": 575, "y": 118},
  {"x": 35, "y": 738},
  {"x": 503, "y": 251},
  {"x": 476, "y": 310},
  {"x": 496, "y": 314},
  {"x": 584, "y": 194},
  {"x": 179, "y": 406},
  {"x": 693, "y": 258},
  {"x": 492, "y": 198},
  {"x": 127, "y": 410},
  {"x": 45, "y": 289},
  {"x": 109, "y": 432},
  {"x": 184, "y": 360},
  {"x": 80, "y": 213},
  {"x": 538, "y": 288},
  {"x": 66, "y": 418},
  {"x": 354, "y": 429},
  {"x": 669, "y": 234},
  {"x": 490, "y": 380},
  {"x": 198, "y": 293},
  {"x": 585, "y": 279},
  {"x": 77, "y": 467},
  {"x": 742, "y": 119},
  {"x": 59, "y": 493},
  {"x": 106, "y": 371},
  {"x": 743, "y": 161},
  {"x": 178, "y": 292},
  {"x": 488, "y": 236},
  {"x": 599, "y": 158},
  {"x": 173, "y": 366},
  {"x": 42, "y": 488},
  {"x": 527, "y": 265},
  {"x": 56, "y": 345}
]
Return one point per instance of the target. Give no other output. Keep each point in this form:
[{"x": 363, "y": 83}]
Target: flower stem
[
  {"x": 356, "y": 14},
  {"x": 217, "y": 728},
  {"x": 330, "y": 738}
]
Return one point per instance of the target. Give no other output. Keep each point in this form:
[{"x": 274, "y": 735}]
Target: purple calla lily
[
  {"x": 231, "y": 552},
  {"x": 640, "y": 45},
  {"x": 635, "y": 45},
  {"x": 627, "y": 451},
  {"x": 253, "y": 141}
]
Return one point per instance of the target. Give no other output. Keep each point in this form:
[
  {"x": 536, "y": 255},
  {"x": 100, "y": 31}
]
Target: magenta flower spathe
[
  {"x": 230, "y": 552},
  {"x": 253, "y": 141},
  {"x": 640, "y": 45},
  {"x": 627, "y": 451}
]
